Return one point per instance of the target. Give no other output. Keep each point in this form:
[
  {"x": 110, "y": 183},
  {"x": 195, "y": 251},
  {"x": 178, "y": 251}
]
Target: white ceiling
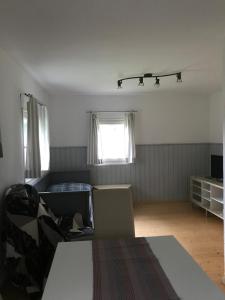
[{"x": 85, "y": 46}]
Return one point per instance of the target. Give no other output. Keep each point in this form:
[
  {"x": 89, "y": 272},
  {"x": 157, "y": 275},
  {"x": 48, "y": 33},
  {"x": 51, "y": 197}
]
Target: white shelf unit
[{"x": 208, "y": 194}]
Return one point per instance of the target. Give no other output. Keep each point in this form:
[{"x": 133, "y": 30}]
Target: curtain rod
[
  {"x": 109, "y": 111},
  {"x": 30, "y": 95}
]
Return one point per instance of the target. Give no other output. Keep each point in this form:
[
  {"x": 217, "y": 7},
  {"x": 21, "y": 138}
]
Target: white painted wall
[
  {"x": 216, "y": 117},
  {"x": 162, "y": 117},
  {"x": 13, "y": 80},
  {"x": 223, "y": 111}
]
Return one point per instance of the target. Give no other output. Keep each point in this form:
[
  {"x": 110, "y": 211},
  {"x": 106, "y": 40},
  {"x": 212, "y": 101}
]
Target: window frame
[{"x": 24, "y": 114}]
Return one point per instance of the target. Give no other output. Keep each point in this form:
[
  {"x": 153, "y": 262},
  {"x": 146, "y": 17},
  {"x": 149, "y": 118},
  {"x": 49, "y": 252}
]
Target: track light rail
[{"x": 150, "y": 75}]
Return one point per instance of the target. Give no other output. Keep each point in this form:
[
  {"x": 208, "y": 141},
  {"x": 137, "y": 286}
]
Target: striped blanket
[{"x": 127, "y": 269}]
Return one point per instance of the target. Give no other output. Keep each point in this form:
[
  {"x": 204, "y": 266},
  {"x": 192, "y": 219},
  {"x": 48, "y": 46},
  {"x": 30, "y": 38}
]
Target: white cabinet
[{"x": 208, "y": 194}]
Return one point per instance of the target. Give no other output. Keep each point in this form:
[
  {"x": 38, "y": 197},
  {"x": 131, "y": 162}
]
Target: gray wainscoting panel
[
  {"x": 68, "y": 158},
  {"x": 216, "y": 148},
  {"x": 161, "y": 172}
]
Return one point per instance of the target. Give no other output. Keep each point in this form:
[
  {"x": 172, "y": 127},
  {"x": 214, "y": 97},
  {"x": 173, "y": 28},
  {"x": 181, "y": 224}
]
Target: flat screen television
[{"x": 217, "y": 166}]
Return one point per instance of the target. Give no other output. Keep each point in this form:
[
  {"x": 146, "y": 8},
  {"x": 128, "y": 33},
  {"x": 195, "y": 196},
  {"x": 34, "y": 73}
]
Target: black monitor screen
[{"x": 217, "y": 166}]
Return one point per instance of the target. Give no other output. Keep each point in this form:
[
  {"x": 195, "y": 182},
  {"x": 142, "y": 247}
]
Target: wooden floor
[{"x": 201, "y": 236}]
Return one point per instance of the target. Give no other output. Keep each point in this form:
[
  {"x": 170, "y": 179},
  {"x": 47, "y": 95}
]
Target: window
[
  {"x": 43, "y": 137},
  {"x": 112, "y": 142},
  {"x": 35, "y": 138},
  {"x": 111, "y": 139}
]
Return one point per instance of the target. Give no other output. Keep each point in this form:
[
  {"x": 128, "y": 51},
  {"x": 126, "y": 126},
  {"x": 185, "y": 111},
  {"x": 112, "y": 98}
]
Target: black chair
[
  {"x": 26, "y": 266},
  {"x": 32, "y": 233}
]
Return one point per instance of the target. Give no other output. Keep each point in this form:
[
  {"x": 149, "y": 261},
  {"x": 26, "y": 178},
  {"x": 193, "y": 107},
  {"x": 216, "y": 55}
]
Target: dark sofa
[{"x": 66, "y": 202}]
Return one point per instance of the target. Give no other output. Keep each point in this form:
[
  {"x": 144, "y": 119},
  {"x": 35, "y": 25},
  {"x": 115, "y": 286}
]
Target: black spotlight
[
  {"x": 157, "y": 82},
  {"x": 141, "y": 81},
  {"x": 179, "y": 79},
  {"x": 119, "y": 84}
]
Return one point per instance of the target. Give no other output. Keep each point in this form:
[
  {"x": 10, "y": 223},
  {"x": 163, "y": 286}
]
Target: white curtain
[
  {"x": 37, "y": 156},
  {"x": 92, "y": 151},
  {"x": 130, "y": 127},
  {"x": 33, "y": 158}
]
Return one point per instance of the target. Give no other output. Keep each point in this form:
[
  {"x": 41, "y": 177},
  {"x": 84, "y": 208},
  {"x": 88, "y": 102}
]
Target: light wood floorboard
[{"x": 201, "y": 236}]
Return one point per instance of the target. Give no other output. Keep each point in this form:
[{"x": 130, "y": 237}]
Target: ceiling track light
[
  {"x": 157, "y": 82},
  {"x": 141, "y": 81},
  {"x": 179, "y": 79},
  {"x": 150, "y": 75},
  {"x": 119, "y": 84}
]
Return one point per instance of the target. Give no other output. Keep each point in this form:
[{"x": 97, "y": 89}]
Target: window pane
[
  {"x": 112, "y": 143},
  {"x": 43, "y": 137},
  {"x": 25, "y": 129}
]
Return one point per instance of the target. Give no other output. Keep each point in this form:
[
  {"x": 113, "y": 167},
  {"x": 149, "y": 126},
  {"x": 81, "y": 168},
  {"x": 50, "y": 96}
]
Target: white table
[{"x": 70, "y": 277}]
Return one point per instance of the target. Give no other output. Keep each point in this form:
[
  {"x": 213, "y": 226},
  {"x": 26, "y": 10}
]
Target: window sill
[
  {"x": 33, "y": 181},
  {"x": 114, "y": 164}
]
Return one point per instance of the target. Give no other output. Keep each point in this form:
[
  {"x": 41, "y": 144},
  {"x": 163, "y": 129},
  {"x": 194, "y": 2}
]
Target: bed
[{"x": 71, "y": 275}]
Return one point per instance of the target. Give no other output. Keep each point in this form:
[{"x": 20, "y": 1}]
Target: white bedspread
[{"x": 70, "y": 277}]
